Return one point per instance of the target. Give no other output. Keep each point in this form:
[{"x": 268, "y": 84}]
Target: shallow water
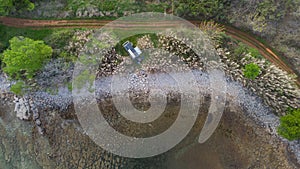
[
  {"x": 235, "y": 144},
  {"x": 239, "y": 141}
]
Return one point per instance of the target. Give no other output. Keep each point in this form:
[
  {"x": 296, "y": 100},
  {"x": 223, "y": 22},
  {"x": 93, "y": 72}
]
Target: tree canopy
[
  {"x": 290, "y": 125},
  {"x": 206, "y": 9},
  {"x": 7, "y": 6},
  {"x": 24, "y": 57}
]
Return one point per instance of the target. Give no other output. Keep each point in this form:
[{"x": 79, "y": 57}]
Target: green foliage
[
  {"x": 7, "y": 6},
  {"x": 156, "y": 7},
  {"x": 254, "y": 53},
  {"x": 76, "y": 4},
  {"x": 136, "y": 6},
  {"x": 24, "y": 57},
  {"x": 56, "y": 38},
  {"x": 59, "y": 38},
  {"x": 118, "y": 6},
  {"x": 251, "y": 71},
  {"x": 272, "y": 10},
  {"x": 2, "y": 46},
  {"x": 108, "y": 5},
  {"x": 6, "y": 33},
  {"x": 70, "y": 87},
  {"x": 206, "y": 9},
  {"x": 213, "y": 30},
  {"x": 290, "y": 125},
  {"x": 84, "y": 78},
  {"x": 67, "y": 56},
  {"x": 242, "y": 49},
  {"x": 18, "y": 88}
]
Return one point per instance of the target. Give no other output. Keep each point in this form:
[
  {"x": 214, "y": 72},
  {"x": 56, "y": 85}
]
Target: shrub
[
  {"x": 59, "y": 39},
  {"x": 18, "y": 88},
  {"x": 254, "y": 53},
  {"x": 241, "y": 49},
  {"x": 206, "y": 9},
  {"x": 24, "y": 57},
  {"x": 251, "y": 71},
  {"x": 7, "y": 6},
  {"x": 7, "y": 33},
  {"x": 213, "y": 30},
  {"x": 290, "y": 125}
]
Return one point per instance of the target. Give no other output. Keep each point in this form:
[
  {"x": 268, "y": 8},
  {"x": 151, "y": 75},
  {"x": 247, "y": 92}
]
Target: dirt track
[{"x": 235, "y": 33}]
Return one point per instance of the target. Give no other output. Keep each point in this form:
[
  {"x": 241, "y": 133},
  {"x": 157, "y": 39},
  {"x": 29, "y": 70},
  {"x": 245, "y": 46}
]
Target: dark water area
[
  {"x": 236, "y": 144},
  {"x": 217, "y": 153}
]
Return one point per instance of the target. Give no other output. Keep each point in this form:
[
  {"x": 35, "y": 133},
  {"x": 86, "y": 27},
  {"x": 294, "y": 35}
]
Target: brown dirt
[{"x": 235, "y": 33}]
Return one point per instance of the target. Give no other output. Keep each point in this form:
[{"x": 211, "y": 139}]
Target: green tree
[
  {"x": 290, "y": 125},
  {"x": 206, "y": 9},
  {"x": 7, "y": 6},
  {"x": 251, "y": 71},
  {"x": 24, "y": 57}
]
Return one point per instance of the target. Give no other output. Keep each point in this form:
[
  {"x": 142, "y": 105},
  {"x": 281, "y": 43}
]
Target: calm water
[{"x": 235, "y": 144}]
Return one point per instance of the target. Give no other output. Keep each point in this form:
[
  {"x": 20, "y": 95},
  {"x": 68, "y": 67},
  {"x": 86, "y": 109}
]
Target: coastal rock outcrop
[
  {"x": 22, "y": 108},
  {"x": 26, "y": 109}
]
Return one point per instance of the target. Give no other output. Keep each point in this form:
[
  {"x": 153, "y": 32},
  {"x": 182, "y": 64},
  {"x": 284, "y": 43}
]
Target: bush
[
  {"x": 18, "y": 88},
  {"x": 7, "y": 6},
  {"x": 7, "y": 33},
  {"x": 243, "y": 49},
  {"x": 205, "y": 9},
  {"x": 2, "y": 46},
  {"x": 251, "y": 71},
  {"x": 254, "y": 53},
  {"x": 214, "y": 30},
  {"x": 24, "y": 57},
  {"x": 59, "y": 39},
  {"x": 290, "y": 125}
]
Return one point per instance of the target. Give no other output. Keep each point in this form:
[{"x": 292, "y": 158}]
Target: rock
[
  {"x": 78, "y": 13},
  {"x": 101, "y": 14},
  {"x": 22, "y": 108},
  {"x": 85, "y": 14},
  {"x": 107, "y": 13}
]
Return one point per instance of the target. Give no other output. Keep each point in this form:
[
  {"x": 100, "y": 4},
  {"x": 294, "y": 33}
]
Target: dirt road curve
[{"x": 235, "y": 33}]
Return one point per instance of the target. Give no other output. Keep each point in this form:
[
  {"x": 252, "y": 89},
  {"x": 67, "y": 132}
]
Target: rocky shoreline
[{"x": 254, "y": 108}]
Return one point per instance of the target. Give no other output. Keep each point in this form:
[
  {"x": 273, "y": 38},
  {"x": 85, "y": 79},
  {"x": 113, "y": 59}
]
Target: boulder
[{"x": 22, "y": 108}]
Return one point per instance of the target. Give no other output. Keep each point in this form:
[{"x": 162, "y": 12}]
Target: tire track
[{"x": 93, "y": 23}]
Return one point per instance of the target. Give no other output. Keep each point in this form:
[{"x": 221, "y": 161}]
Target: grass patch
[
  {"x": 6, "y": 33},
  {"x": 59, "y": 38},
  {"x": 18, "y": 88},
  {"x": 54, "y": 37},
  {"x": 70, "y": 86}
]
